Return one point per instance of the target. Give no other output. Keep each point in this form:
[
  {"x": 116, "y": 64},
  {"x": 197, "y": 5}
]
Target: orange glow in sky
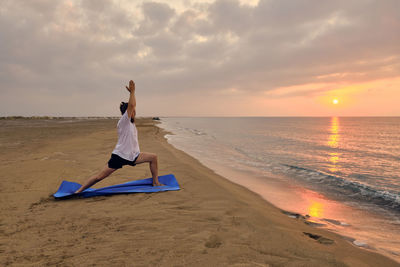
[{"x": 373, "y": 98}]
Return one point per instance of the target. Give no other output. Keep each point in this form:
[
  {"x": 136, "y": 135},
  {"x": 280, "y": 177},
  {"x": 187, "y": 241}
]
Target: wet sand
[{"x": 210, "y": 221}]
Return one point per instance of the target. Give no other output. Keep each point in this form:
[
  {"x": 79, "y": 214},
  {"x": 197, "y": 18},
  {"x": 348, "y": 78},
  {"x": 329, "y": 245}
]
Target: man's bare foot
[{"x": 158, "y": 184}]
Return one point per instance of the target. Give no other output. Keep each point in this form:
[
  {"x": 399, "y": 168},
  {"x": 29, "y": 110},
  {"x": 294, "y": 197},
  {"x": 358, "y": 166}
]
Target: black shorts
[{"x": 116, "y": 162}]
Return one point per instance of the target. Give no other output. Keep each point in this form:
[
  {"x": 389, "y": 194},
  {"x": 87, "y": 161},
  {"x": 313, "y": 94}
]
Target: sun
[{"x": 335, "y": 101}]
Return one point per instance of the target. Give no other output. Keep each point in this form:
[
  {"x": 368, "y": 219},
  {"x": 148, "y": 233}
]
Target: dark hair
[{"x": 123, "y": 107}]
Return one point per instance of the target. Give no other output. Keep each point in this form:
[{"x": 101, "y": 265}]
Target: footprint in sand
[
  {"x": 213, "y": 242},
  {"x": 43, "y": 201}
]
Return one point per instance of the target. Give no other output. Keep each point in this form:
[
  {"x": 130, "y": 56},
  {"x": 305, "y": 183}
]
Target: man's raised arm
[{"x": 132, "y": 100}]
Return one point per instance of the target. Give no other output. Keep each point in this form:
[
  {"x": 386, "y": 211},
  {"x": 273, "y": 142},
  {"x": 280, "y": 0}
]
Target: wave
[
  {"x": 194, "y": 131},
  {"x": 352, "y": 189}
]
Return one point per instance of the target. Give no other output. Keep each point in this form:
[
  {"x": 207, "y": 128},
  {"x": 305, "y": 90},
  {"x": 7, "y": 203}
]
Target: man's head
[{"x": 123, "y": 107}]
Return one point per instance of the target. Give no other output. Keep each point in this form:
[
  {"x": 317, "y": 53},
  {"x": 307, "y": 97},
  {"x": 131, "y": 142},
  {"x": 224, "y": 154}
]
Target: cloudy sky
[{"x": 200, "y": 58}]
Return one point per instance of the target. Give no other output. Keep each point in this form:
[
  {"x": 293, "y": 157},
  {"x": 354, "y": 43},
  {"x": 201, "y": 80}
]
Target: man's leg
[
  {"x": 96, "y": 178},
  {"x": 152, "y": 159}
]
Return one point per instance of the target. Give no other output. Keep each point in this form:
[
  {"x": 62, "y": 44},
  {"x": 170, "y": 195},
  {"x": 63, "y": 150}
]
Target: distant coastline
[
  {"x": 56, "y": 118},
  {"x": 159, "y": 118}
]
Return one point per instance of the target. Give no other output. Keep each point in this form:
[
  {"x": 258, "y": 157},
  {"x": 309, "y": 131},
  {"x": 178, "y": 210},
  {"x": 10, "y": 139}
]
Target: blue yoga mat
[{"x": 67, "y": 189}]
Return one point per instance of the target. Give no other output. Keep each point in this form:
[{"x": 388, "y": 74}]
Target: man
[{"x": 126, "y": 151}]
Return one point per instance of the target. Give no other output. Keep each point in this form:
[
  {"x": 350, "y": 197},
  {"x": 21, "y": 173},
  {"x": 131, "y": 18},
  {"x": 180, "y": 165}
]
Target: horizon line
[{"x": 175, "y": 116}]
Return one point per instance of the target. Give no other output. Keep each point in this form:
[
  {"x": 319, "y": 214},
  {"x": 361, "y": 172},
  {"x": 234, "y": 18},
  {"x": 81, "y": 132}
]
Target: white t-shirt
[{"x": 128, "y": 145}]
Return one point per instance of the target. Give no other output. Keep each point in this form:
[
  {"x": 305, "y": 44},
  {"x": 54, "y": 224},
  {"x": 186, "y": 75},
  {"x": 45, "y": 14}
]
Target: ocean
[{"x": 344, "y": 172}]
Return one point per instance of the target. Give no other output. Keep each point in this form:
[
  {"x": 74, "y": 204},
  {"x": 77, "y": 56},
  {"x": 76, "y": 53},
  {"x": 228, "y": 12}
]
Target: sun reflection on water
[
  {"x": 315, "y": 205},
  {"x": 316, "y": 209},
  {"x": 333, "y": 142}
]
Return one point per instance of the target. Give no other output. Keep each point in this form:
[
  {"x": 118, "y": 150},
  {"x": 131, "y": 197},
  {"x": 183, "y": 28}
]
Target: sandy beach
[{"x": 210, "y": 221}]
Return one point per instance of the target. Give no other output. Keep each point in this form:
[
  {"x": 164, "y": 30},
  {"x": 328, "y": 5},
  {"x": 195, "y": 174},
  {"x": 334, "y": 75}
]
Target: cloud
[
  {"x": 91, "y": 48},
  {"x": 156, "y": 18}
]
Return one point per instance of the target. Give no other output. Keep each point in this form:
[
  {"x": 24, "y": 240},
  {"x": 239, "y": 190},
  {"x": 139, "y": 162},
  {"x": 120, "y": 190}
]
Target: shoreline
[
  {"x": 321, "y": 223},
  {"x": 373, "y": 229},
  {"x": 290, "y": 214},
  {"x": 210, "y": 220}
]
